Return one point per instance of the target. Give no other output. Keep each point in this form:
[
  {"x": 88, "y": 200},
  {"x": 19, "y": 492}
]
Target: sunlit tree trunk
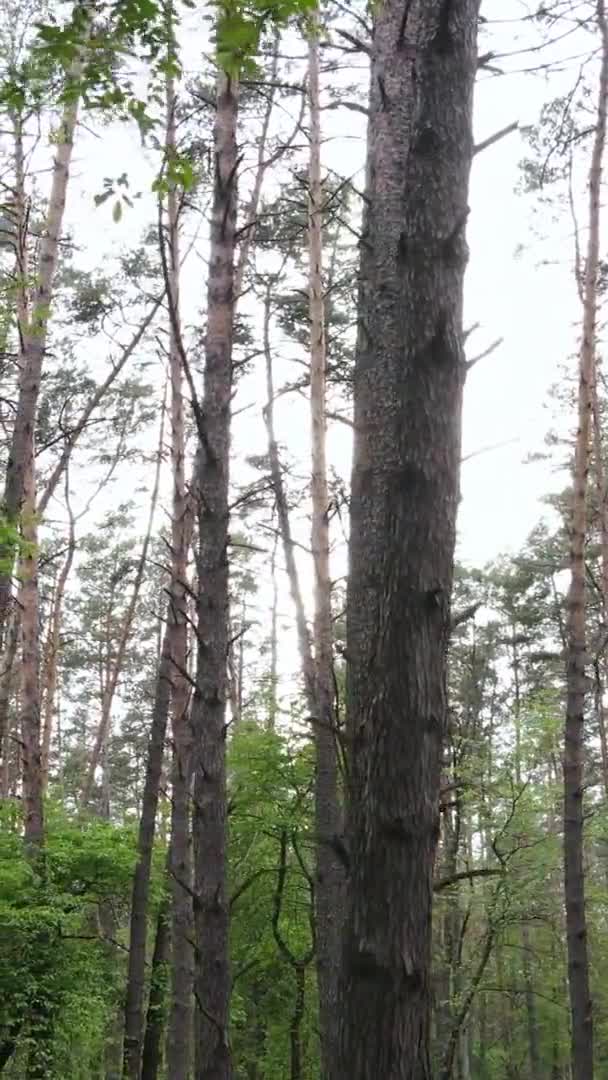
[{"x": 328, "y": 823}]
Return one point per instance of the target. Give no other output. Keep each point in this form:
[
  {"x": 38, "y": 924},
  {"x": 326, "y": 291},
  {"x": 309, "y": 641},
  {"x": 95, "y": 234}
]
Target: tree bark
[
  {"x": 52, "y": 657},
  {"x": 134, "y": 1002},
  {"x": 179, "y": 1032},
  {"x": 409, "y": 377},
  {"x": 7, "y": 677},
  {"x": 212, "y": 978},
  {"x": 151, "y": 1062},
  {"x": 30, "y": 667},
  {"x": 33, "y": 335},
  {"x": 328, "y": 814},
  {"x": 273, "y": 704},
  {"x": 573, "y": 762}
]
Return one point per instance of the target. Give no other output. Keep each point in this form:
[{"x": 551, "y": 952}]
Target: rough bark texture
[
  {"x": 54, "y": 642},
  {"x": 30, "y": 668},
  {"x": 328, "y": 816},
  {"x": 574, "y": 871},
  {"x": 179, "y": 1033},
  {"x": 212, "y": 977},
  {"x": 33, "y": 336},
  {"x": 7, "y": 678},
  {"x": 134, "y": 1002},
  {"x": 152, "y": 1054},
  {"x": 408, "y": 394}
]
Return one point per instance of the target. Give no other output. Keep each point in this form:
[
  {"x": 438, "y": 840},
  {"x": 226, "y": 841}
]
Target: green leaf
[{"x": 117, "y": 211}]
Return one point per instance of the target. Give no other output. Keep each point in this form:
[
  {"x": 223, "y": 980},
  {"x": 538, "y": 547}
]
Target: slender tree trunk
[
  {"x": 262, "y": 164},
  {"x": 33, "y": 335},
  {"x": 134, "y": 1003},
  {"x": 574, "y": 870},
  {"x": 52, "y": 657},
  {"x": 409, "y": 377},
  {"x": 179, "y": 1034},
  {"x": 115, "y": 665},
  {"x": 212, "y": 980},
  {"x": 7, "y": 677},
  {"x": 155, "y": 1018},
  {"x": 532, "y": 1021},
  {"x": 30, "y": 667},
  {"x": 328, "y": 815},
  {"x": 600, "y": 713},
  {"x": 92, "y": 404},
  {"x": 298, "y": 964},
  {"x": 602, "y": 498},
  {"x": 273, "y": 705}
]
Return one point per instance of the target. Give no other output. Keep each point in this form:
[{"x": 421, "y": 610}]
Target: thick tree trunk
[
  {"x": 328, "y": 816},
  {"x": 409, "y": 378},
  {"x": 574, "y": 870},
  {"x": 212, "y": 979}
]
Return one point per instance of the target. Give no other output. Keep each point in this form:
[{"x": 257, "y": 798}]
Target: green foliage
[
  {"x": 52, "y": 948},
  {"x": 12, "y": 545}
]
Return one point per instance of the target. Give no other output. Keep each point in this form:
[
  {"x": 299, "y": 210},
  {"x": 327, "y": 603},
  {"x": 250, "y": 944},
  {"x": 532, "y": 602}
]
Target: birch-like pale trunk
[
  {"x": 328, "y": 823},
  {"x": 573, "y": 761}
]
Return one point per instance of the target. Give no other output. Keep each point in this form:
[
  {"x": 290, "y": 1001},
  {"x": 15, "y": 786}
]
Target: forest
[{"x": 303, "y": 540}]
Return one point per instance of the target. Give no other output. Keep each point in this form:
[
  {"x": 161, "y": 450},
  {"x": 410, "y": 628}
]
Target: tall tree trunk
[
  {"x": 602, "y": 498},
  {"x": 409, "y": 377},
  {"x": 52, "y": 657},
  {"x": 328, "y": 823},
  {"x": 30, "y": 666},
  {"x": 7, "y": 678},
  {"x": 134, "y": 1002},
  {"x": 151, "y": 1061},
  {"x": 33, "y": 335},
  {"x": 212, "y": 979},
  {"x": 179, "y": 1033},
  {"x": 532, "y": 1021},
  {"x": 115, "y": 664},
  {"x": 273, "y": 705},
  {"x": 574, "y": 871}
]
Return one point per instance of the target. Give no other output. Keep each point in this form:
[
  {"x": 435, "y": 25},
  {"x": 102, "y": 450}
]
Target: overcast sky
[{"x": 519, "y": 287}]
